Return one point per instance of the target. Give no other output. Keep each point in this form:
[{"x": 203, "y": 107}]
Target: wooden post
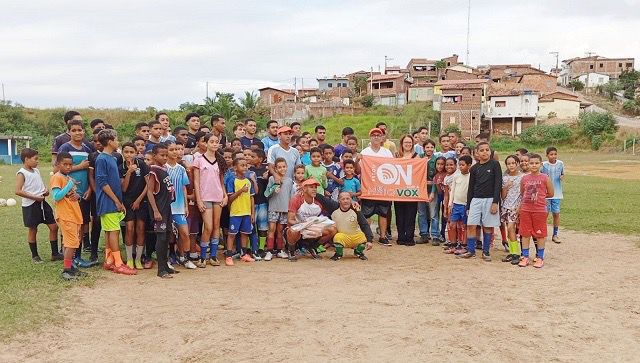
[{"x": 634, "y": 146}]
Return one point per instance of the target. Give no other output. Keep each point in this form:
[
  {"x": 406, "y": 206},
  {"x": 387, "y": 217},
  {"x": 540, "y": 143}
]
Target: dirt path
[{"x": 404, "y": 304}]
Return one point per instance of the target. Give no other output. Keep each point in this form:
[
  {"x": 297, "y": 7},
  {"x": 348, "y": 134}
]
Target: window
[
  {"x": 601, "y": 65},
  {"x": 329, "y": 84},
  {"x": 451, "y": 99},
  {"x": 501, "y": 104},
  {"x": 344, "y": 84},
  {"x": 620, "y": 65},
  {"x": 448, "y": 64},
  {"x": 590, "y": 66},
  {"x": 629, "y": 65}
]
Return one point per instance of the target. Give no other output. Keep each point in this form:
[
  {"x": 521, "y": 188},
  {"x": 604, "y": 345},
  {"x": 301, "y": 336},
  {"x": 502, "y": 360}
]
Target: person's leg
[
  {"x": 129, "y": 241},
  {"x": 382, "y": 223},
  {"x": 33, "y": 243},
  {"x": 207, "y": 229},
  {"x": 487, "y": 235},
  {"x": 113, "y": 238},
  {"x": 389, "y": 217},
  {"x": 184, "y": 244},
  {"x": 435, "y": 218},
  {"x": 400, "y": 208},
  {"x": 139, "y": 231},
  {"x": 215, "y": 234},
  {"x": 292, "y": 239},
  {"x": 96, "y": 231},
  {"x": 53, "y": 241},
  {"x": 271, "y": 236},
  {"x": 162, "y": 248},
  {"x": 524, "y": 261},
  {"x": 423, "y": 224}
]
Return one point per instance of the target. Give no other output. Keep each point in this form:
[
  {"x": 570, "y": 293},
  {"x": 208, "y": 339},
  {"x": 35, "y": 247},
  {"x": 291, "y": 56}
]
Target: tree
[
  {"x": 577, "y": 85},
  {"x": 367, "y": 101},
  {"x": 223, "y": 104},
  {"x": 440, "y": 65},
  {"x": 360, "y": 85}
]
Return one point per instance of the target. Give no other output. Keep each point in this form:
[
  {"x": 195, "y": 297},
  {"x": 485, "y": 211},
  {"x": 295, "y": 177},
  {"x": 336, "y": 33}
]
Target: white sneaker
[
  {"x": 256, "y": 257},
  {"x": 282, "y": 254},
  {"x": 268, "y": 256},
  {"x": 170, "y": 266},
  {"x": 189, "y": 265}
]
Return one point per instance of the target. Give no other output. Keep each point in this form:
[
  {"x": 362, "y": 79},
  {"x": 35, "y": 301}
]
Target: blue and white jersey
[
  {"x": 554, "y": 171},
  {"x": 78, "y": 156},
  {"x": 179, "y": 179}
]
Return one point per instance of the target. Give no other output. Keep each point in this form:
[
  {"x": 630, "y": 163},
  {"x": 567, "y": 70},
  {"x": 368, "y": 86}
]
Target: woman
[{"x": 406, "y": 211}]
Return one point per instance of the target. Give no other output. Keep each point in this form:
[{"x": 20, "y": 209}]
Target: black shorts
[
  {"x": 38, "y": 213},
  {"x": 141, "y": 214},
  {"x": 224, "y": 217},
  {"x": 373, "y": 207},
  {"x": 85, "y": 208}
]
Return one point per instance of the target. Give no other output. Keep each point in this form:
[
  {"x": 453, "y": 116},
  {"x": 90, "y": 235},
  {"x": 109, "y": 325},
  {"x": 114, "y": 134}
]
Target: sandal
[{"x": 165, "y": 275}]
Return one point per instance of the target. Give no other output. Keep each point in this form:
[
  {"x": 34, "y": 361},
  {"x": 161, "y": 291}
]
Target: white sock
[
  {"x": 129, "y": 253},
  {"x": 139, "y": 250}
]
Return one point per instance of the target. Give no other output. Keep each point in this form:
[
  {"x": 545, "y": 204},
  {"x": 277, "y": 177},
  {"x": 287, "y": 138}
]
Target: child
[
  {"x": 279, "y": 195},
  {"x": 160, "y": 194},
  {"x": 139, "y": 144},
  {"x": 35, "y": 209},
  {"x": 298, "y": 174},
  {"x": 236, "y": 145},
  {"x": 351, "y": 227},
  {"x": 451, "y": 168},
  {"x": 333, "y": 172},
  {"x": 534, "y": 188},
  {"x": 436, "y": 198},
  {"x": 259, "y": 168},
  {"x": 554, "y": 168},
  {"x": 211, "y": 197},
  {"x": 68, "y": 213},
  {"x": 316, "y": 170},
  {"x": 305, "y": 155},
  {"x": 142, "y": 130},
  {"x": 156, "y": 131},
  {"x": 510, "y": 205},
  {"x": 201, "y": 145},
  {"x": 179, "y": 207},
  {"x": 134, "y": 175},
  {"x": 313, "y": 143},
  {"x": 458, "y": 206},
  {"x": 148, "y": 158},
  {"x": 483, "y": 196},
  {"x": 241, "y": 210},
  {"x": 350, "y": 183}
]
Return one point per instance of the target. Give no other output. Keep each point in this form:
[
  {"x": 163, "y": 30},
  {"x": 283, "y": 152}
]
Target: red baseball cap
[
  {"x": 309, "y": 182},
  {"x": 376, "y": 130},
  {"x": 284, "y": 129}
]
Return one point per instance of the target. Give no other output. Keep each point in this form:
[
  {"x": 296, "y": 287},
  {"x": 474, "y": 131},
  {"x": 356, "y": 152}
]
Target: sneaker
[
  {"x": 213, "y": 261},
  {"x": 124, "y": 270},
  {"x": 282, "y": 254},
  {"x": 450, "y": 250},
  {"x": 108, "y": 266},
  {"x": 256, "y": 256},
  {"x": 321, "y": 249},
  {"x": 509, "y": 257},
  {"x": 247, "y": 258},
  {"x": 189, "y": 265},
  {"x": 293, "y": 258},
  {"x": 486, "y": 258},
  {"x": 201, "y": 263},
  {"x": 539, "y": 262},
  {"x": 435, "y": 242},
  {"x": 524, "y": 261},
  {"x": 423, "y": 240},
  {"x": 336, "y": 257},
  {"x": 387, "y": 235},
  {"x": 138, "y": 265},
  {"x": 410, "y": 243},
  {"x": 460, "y": 250},
  {"x": 228, "y": 261},
  {"x": 384, "y": 242},
  {"x": 467, "y": 255},
  {"x": 268, "y": 256},
  {"x": 36, "y": 259},
  {"x": 68, "y": 275},
  {"x": 57, "y": 257},
  {"x": 314, "y": 255},
  {"x": 79, "y": 262},
  {"x": 360, "y": 255},
  {"x": 130, "y": 264},
  {"x": 80, "y": 274},
  {"x": 555, "y": 239},
  {"x": 148, "y": 264}
]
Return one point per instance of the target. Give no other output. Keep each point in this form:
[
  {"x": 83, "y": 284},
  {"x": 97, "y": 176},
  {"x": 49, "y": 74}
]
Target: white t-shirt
[
  {"x": 382, "y": 153},
  {"x": 33, "y": 184}
]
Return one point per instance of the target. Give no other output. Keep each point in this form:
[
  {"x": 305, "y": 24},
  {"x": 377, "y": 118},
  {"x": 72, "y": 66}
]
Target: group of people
[{"x": 186, "y": 193}]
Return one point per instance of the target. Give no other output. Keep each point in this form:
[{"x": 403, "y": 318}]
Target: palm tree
[{"x": 249, "y": 102}]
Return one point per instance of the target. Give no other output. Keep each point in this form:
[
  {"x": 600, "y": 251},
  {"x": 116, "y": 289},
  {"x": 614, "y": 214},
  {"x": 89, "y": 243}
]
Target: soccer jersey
[
  {"x": 304, "y": 210},
  {"x": 241, "y": 206},
  {"x": 351, "y": 185},
  {"x": 554, "y": 171},
  {"x": 346, "y": 221},
  {"x": 64, "y": 138},
  {"x": 66, "y": 209},
  {"x": 179, "y": 179},
  {"x": 262, "y": 182},
  {"x": 291, "y": 156},
  {"x": 78, "y": 155},
  {"x": 319, "y": 173},
  {"x": 107, "y": 174},
  {"x": 137, "y": 180},
  {"x": 335, "y": 170},
  {"x": 33, "y": 184},
  {"x": 247, "y": 142},
  {"x": 268, "y": 142},
  {"x": 164, "y": 192},
  {"x": 210, "y": 184},
  {"x": 534, "y": 193}
]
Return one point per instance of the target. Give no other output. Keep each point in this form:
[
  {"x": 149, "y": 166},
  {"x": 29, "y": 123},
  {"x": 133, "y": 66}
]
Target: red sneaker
[
  {"x": 108, "y": 266},
  {"x": 524, "y": 262},
  {"x": 247, "y": 258},
  {"x": 228, "y": 261},
  {"x": 124, "y": 270},
  {"x": 538, "y": 263}
]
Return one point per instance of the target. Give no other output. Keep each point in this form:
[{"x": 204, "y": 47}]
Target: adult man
[
  {"x": 284, "y": 150},
  {"x": 301, "y": 208},
  {"x": 453, "y": 138},
  {"x": 321, "y": 134},
  {"x": 217, "y": 128},
  {"x": 250, "y": 128},
  {"x": 372, "y": 207},
  {"x": 65, "y": 137},
  {"x": 388, "y": 144},
  {"x": 423, "y": 136},
  {"x": 272, "y": 135},
  {"x": 296, "y": 127},
  {"x": 341, "y": 147},
  {"x": 192, "y": 119},
  {"x": 163, "y": 118}
]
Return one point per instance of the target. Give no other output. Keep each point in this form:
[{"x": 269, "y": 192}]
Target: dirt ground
[{"x": 404, "y": 304}]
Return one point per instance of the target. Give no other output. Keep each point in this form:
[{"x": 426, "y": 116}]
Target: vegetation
[
  {"x": 597, "y": 127},
  {"x": 576, "y": 85},
  {"x": 541, "y": 135},
  {"x": 627, "y": 83}
]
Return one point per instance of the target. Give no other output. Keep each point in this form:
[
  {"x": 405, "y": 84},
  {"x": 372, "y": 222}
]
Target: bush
[
  {"x": 596, "y": 142},
  {"x": 367, "y": 101},
  {"x": 594, "y": 123},
  {"x": 452, "y": 128},
  {"x": 546, "y": 134},
  {"x": 577, "y": 85},
  {"x": 632, "y": 107}
]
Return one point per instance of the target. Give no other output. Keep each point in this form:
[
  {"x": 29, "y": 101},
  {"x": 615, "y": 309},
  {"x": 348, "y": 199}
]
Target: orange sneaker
[
  {"x": 228, "y": 261},
  {"x": 538, "y": 263},
  {"x": 247, "y": 258},
  {"x": 524, "y": 262},
  {"x": 124, "y": 270},
  {"x": 108, "y": 266}
]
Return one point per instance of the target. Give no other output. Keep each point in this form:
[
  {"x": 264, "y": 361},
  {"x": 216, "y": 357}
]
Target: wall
[
  {"x": 271, "y": 96},
  {"x": 299, "y": 111},
  {"x": 323, "y": 84},
  {"x": 420, "y": 94},
  {"x": 564, "y": 109},
  {"x": 609, "y": 67},
  {"x": 515, "y": 106},
  {"x": 594, "y": 79}
]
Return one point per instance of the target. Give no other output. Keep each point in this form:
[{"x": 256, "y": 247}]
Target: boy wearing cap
[
  {"x": 372, "y": 207},
  {"x": 284, "y": 150}
]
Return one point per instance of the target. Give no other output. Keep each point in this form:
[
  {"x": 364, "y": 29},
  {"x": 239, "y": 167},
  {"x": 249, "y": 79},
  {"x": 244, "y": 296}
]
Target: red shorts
[{"x": 533, "y": 224}]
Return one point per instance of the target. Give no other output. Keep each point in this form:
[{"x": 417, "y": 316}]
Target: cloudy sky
[{"x": 139, "y": 53}]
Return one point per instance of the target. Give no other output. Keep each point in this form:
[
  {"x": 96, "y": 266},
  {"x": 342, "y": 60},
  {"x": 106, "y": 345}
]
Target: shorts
[
  {"x": 209, "y": 205},
  {"x": 179, "y": 219},
  {"x": 480, "y": 213},
  {"x": 37, "y": 213},
  {"x": 508, "y": 216},
  {"x": 224, "y": 218},
  {"x": 373, "y": 207},
  {"x": 85, "y": 208},
  {"x": 533, "y": 224},
  {"x": 349, "y": 240},
  {"x": 279, "y": 217},
  {"x": 194, "y": 220},
  {"x": 139, "y": 214},
  {"x": 241, "y": 224},
  {"x": 70, "y": 233},
  {"x": 262, "y": 216},
  {"x": 111, "y": 221},
  {"x": 553, "y": 205},
  {"x": 458, "y": 213}
]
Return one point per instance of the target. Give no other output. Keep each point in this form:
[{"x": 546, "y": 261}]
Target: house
[
  {"x": 592, "y": 80},
  {"x": 511, "y": 108},
  {"x": 420, "y": 93},
  {"x": 389, "y": 89},
  {"x": 561, "y": 104},
  {"x": 456, "y": 73},
  {"x": 462, "y": 102},
  {"x": 366, "y": 74},
  {"x": 612, "y": 67},
  {"x": 9, "y": 148},
  {"x": 271, "y": 96},
  {"x": 509, "y": 72},
  {"x": 308, "y": 95},
  {"x": 540, "y": 82},
  {"x": 326, "y": 84}
]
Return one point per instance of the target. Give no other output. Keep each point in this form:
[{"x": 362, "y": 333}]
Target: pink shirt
[
  {"x": 534, "y": 193},
  {"x": 210, "y": 187}
]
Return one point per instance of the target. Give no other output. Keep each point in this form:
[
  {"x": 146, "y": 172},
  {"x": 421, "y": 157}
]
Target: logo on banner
[{"x": 389, "y": 174}]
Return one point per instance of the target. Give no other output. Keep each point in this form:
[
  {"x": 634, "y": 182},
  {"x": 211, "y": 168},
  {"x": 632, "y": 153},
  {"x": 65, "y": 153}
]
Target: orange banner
[{"x": 402, "y": 180}]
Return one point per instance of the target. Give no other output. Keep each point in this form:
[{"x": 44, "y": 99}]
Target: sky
[{"x": 135, "y": 54}]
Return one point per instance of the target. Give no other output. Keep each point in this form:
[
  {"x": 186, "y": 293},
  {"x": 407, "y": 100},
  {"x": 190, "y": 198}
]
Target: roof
[
  {"x": 334, "y": 77},
  {"x": 290, "y": 91},
  {"x": 560, "y": 94},
  {"x": 510, "y": 70},
  {"x": 382, "y": 77},
  {"x": 508, "y": 89},
  {"x": 421, "y": 61},
  {"x": 461, "y": 83},
  {"x": 594, "y": 58},
  {"x": 14, "y": 137}
]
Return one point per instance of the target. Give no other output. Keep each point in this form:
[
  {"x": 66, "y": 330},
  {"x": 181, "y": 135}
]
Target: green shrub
[
  {"x": 577, "y": 85},
  {"x": 452, "y": 128},
  {"x": 367, "y": 101},
  {"x": 594, "y": 123},
  {"x": 596, "y": 142},
  {"x": 546, "y": 134},
  {"x": 632, "y": 107}
]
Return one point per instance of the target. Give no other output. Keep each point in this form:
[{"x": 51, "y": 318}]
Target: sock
[
  {"x": 525, "y": 252},
  {"x": 359, "y": 250},
  {"x": 486, "y": 242},
  {"x": 213, "y": 247},
  {"x": 54, "y": 247},
  {"x": 66, "y": 263},
  {"x": 270, "y": 242},
  {"x": 471, "y": 245},
  {"x": 78, "y": 253},
  {"x": 262, "y": 241},
  {"x": 86, "y": 241},
  {"x": 253, "y": 240},
  {"x": 203, "y": 250},
  {"x": 540, "y": 253},
  {"x": 514, "y": 248},
  {"x": 108, "y": 256},
  {"x": 139, "y": 253},
  {"x": 33, "y": 246},
  {"x": 555, "y": 230},
  {"x": 117, "y": 259},
  {"x": 339, "y": 249},
  {"x": 193, "y": 255},
  {"x": 129, "y": 250}
]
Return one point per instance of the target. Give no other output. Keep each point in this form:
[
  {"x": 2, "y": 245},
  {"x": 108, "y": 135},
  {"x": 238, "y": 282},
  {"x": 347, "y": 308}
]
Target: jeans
[
  {"x": 405, "y": 220},
  {"x": 423, "y": 218},
  {"x": 434, "y": 208}
]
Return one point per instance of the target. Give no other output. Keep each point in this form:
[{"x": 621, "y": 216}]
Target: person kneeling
[{"x": 352, "y": 226}]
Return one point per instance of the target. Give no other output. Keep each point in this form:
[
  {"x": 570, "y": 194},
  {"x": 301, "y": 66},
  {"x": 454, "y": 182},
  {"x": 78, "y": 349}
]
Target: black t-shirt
[
  {"x": 485, "y": 181},
  {"x": 259, "y": 197},
  {"x": 137, "y": 181},
  {"x": 191, "y": 141},
  {"x": 165, "y": 193}
]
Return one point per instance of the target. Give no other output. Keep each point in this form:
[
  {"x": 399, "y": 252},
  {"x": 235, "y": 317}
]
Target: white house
[
  {"x": 512, "y": 110},
  {"x": 592, "y": 80}
]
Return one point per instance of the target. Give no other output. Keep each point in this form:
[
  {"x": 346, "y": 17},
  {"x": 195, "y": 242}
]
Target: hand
[
  {"x": 120, "y": 207},
  {"x": 132, "y": 168},
  {"x": 84, "y": 164},
  {"x": 74, "y": 196},
  {"x": 265, "y": 175},
  {"x": 369, "y": 246},
  {"x": 494, "y": 208},
  {"x": 253, "y": 218},
  {"x": 355, "y": 205},
  {"x": 87, "y": 194},
  {"x": 327, "y": 194},
  {"x": 46, "y": 193},
  {"x": 277, "y": 189},
  {"x": 562, "y": 177},
  {"x": 39, "y": 199},
  {"x": 225, "y": 201},
  {"x": 135, "y": 205},
  {"x": 508, "y": 184},
  {"x": 156, "y": 216},
  {"x": 186, "y": 212},
  {"x": 201, "y": 207},
  {"x": 244, "y": 189}
]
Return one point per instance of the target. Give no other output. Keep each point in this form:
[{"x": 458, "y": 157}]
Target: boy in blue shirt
[
  {"x": 179, "y": 207},
  {"x": 554, "y": 168},
  {"x": 350, "y": 183}
]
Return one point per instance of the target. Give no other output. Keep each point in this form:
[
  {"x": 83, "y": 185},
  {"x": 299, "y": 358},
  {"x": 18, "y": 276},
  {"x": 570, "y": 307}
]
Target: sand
[{"x": 404, "y": 304}]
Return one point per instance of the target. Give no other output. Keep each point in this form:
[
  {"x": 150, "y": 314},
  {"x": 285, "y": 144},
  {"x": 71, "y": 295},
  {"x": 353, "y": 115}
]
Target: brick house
[
  {"x": 462, "y": 102},
  {"x": 562, "y": 104},
  {"x": 612, "y": 67},
  {"x": 509, "y": 72},
  {"x": 389, "y": 89},
  {"x": 271, "y": 96}
]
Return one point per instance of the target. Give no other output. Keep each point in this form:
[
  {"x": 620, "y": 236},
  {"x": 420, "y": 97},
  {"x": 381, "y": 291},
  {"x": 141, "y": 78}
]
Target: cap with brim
[
  {"x": 310, "y": 182},
  {"x": 284, "y": 129},
  {"x": 376, "y": 130}
]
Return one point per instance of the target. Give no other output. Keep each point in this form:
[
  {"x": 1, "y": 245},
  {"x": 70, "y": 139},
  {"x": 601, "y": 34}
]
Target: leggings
[{"x": 405, "y": 220}]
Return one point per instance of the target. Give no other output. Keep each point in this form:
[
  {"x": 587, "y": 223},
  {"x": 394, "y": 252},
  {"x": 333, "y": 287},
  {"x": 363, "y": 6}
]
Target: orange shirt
[{"x": 66, "y": 209}]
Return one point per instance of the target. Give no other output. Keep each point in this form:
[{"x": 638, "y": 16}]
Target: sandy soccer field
[{"x": 404, "y": 304}]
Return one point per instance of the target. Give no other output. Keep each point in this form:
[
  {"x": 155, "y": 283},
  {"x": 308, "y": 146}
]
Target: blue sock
[
  {"x": 213, "y": 247},
  {"x": 486, "y": 242},
  {"x": 203, "y": 250},
  {"x": 525, "y": 252},
  {"x": 254, "y": 240},
  {"x": 540, "y": 253},
  {"x": 471, "y": 245},
  {"x": 555, "y": 230}
]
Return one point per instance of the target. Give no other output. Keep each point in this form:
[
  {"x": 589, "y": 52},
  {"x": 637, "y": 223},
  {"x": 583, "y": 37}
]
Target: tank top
[
  {"x": 33, "y": 184},
  {"x": 164, "y": 194},
  {"x": 534, "y": 193}
]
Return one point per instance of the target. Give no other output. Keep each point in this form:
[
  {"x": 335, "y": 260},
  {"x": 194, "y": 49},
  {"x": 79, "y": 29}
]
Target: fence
[{"x": 629, "y": 145}]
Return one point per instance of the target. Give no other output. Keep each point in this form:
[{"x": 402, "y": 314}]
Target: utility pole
[
  {"x": 589, "y": 54},
  {"x": 295, "y": 89},
  {"x": 4, "y": 100},
  {"x": 468, "y": 29},
  {"x": 207, "y": 92},
  {"x": 556, "y": 54},
  {"x": 385, "y": 63}
]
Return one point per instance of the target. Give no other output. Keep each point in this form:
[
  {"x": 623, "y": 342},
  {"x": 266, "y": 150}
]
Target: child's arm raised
[{"x": 127, "y": 176}]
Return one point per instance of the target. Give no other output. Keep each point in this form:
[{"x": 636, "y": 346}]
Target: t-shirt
[
  {"x": 165, "y": 138},
  {"x": 241, "y": 206},
  {"x": 191, "y": 141},
  {"x": 382, "y": 152},
  {"x": 438, "y": 183},
  {"x": 268, "y": 142},
  {"x": 262, "y": 182},
  {"x": 304, "y": 210},
  {"x": 66, "y": 209},
  {"x": 305, "y": 158},
  {"x": 459, "y": 188},
  {"x": 352, "y": 185},
  {"x": 78, "y": 155},
  {"x": 554, "y": 171},
  {"x": 291, "y": 156},
  {"x": 451, "y": 154},
  {"x": 390, "y": 145},
  {"x": 534, "y": 193},
  {"x": 339, "y": 149},
  {"x": 137, "y": 181},
  {"x": 346, "y": 221},
  {"x": 33, "y": 184},
  {"x": 319, "y": 173},
  {"x": 164, "y": 193},
  {"x": 246, "y": 142},
  {"x": 485, "y": 181},
  {"x": 448, "y": 180},
  {"x": 64, "y": 138},
  {"x": 179, "y": 179},
  {"x": 107, "y": 174},
  {"x": 335, "y": 170},
  {"x": 148, "y": 145},
  {"x": 279, "y": 202},
  {"x": 210, "y": 184},
  {"x": 512, "y": 199}
]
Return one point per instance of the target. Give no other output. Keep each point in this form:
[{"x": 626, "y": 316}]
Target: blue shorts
[
  {"x": 553, "y": 205},
  {"x": 458, "y": 213},
  {"x": 262, "y": 217},
  {"x": 240, "y": 224},
  {"x": 179, "y": 219}
]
